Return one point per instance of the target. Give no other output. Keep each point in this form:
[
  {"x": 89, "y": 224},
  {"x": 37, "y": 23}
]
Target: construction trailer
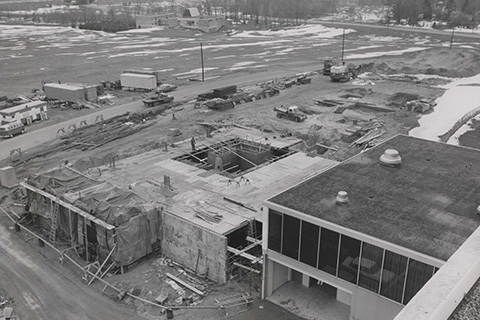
[
  {"x": 26, "y": 113},
  {"x": 138, "y": 81},
  {"x": 156, "y": 73},
  {"x": 202, "y": 209},
  {"x": 64, "y": 92}
]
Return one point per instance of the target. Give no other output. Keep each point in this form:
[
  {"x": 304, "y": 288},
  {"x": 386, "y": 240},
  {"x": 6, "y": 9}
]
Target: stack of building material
[
  {"x": 224, "y": 92},
  {"x": 240, "y": 97},
  {"x": 219, "y": 104}
]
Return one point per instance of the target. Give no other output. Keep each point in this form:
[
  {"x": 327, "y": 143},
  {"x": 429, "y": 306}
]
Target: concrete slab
[{"x": 198, "y": 189}]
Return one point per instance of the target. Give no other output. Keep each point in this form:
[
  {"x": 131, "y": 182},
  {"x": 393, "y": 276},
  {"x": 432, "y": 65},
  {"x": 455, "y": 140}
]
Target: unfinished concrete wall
[
  {"x": 252, "y": 156},
  {"x": 228, "y": 159},
  {"x": 194, "y": 247}
]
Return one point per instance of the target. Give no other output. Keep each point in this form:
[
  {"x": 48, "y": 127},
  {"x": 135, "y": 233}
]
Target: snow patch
[
  {"x": 383, "y": 53},
  {"x": 451, "y": 107}
]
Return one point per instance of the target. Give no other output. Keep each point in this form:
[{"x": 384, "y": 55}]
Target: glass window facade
[
  {"x": 349, "y": 259},
  {"x": 389, "y": 274},
  {"x": 328, "y": 254},
  {"x": 309, "y": 244},
  {"x": 370, "y": 267},
  {"x": 275, "y": 231},
  {"x": 291, "y": 237},
  {"x": 418, "y": 274},
  {"x": 393, "y": 276}
]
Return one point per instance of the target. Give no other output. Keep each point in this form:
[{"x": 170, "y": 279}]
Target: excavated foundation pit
[{"x": 234, "y": 157}]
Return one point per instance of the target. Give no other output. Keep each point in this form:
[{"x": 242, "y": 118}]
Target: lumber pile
[
  {"x": 329, "y": 102},
  {"x": 96, "y": 136},
  {"x": 208, "y": 216},
  {"x": 368, "y": 137}
]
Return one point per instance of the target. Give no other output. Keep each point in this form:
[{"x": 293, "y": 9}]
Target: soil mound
[
  {"x": 385, "y": 68},
  {"x": 455, "y": 62}
]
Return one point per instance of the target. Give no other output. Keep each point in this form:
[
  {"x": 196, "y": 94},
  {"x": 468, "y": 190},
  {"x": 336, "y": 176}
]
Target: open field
[{"x": 30, "y": 54}]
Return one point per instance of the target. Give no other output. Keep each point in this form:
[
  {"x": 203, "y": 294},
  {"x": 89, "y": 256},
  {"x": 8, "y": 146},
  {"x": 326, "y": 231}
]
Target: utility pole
[
  {"x": 203, "y": 70},
  {"x": 451, "y": 39},
  {"x": 343, "y": 43}
]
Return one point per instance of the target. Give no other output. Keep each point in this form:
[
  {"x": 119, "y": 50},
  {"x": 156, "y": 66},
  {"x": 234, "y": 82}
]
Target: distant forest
[
  {"x": 121, "y": 16},
  {"x": 453, "y": 12}
]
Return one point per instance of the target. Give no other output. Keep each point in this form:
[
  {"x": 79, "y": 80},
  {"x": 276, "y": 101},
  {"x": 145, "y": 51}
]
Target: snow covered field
[{"x": 30, "y": 54}]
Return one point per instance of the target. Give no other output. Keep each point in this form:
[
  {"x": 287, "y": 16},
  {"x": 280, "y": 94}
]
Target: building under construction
[{"x": 198, "y": 202}]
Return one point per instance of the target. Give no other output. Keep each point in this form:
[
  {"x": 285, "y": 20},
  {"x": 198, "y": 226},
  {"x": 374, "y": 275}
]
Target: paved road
[
  {"x": 457, "y": 34},
  {"x": 41, "y": 293},
  {"x": 37, "y": 137}
]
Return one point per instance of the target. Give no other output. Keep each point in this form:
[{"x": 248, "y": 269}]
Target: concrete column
[
  {"x": 268, "y": 278},
  {"x": 290, "y": 273},
  {"x": 306, "y": 280}
]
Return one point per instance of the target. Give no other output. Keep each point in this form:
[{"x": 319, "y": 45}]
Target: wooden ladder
[
  {"x": 53, "y": 228},
  {"x": 253, "y": 228}
]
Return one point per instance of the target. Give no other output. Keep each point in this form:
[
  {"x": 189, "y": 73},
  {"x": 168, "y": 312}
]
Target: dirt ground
[{"x": 377, "y": 97}]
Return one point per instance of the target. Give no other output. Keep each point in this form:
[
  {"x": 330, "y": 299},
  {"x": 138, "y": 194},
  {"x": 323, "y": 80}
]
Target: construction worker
[{"x": 192, "y": 141}]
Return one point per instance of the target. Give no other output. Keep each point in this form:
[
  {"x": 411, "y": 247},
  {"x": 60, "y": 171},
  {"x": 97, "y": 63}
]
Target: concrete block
[{"x": 8, "y": 177}]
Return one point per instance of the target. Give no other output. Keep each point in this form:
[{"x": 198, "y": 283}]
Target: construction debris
[
  {"x": 185, "y": 284},
  {"x": 234, "y": 300},
  {"x": 368, "y": 137},
  {"x": 420, "y": 106}
]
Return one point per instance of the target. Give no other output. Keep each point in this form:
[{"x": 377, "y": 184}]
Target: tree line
[{"x": 454, "y": 12}]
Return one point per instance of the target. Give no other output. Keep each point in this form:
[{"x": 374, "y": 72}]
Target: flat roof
[
  {"x": 63, "y": 86},
  {"x": 138, "y": 75},
  {"x": 22, "y": 107},
  {"x": 427, "y": 204}
]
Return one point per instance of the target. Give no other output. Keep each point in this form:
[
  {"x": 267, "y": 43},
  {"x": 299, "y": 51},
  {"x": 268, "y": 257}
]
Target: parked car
[
  {"x": 165, "y": 88},
  {"x": 11, "y": 129}
]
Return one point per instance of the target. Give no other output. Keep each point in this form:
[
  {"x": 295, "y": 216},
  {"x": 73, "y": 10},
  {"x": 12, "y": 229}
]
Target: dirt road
[
  {"x": 41, "y": 293},
  {"x": 37, "y": 137}
]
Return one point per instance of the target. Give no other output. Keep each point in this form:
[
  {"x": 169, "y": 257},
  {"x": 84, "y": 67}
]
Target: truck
[
  {"x": 340, "y": 73},
  {"x": 156, "y": 100},
  {"x": 138, "y": 81},
  {"x": 327, "y": 65},
  {"x": 292, "y": 113}
]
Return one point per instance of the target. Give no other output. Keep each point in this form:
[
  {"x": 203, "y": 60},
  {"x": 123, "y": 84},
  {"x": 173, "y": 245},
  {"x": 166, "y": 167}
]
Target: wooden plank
[
  {"x": 240, "y": 204},
  {"x": 82, "y": 174},
  {"x": 103, "y": 264},
  {"x": 68, "y": 206},
  {"x": 246, "y": 268},
  {"x": 245, "y": 255},
  {"x": 192, "y": 288}
]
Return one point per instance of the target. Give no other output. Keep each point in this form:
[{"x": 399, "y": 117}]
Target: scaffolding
[{"x": 246, "y": 263}]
